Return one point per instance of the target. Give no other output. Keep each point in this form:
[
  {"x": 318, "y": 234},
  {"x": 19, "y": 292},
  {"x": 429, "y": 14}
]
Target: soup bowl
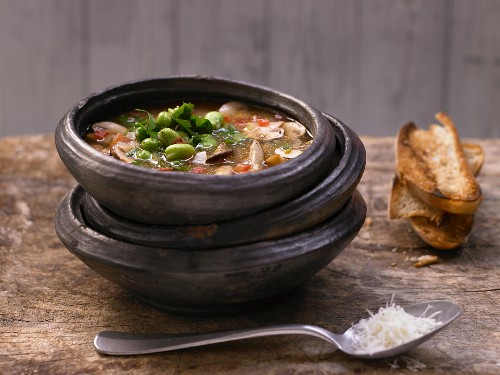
[
  {"x": 209, "y": 244},
  {"x": 174, "y": 198}
]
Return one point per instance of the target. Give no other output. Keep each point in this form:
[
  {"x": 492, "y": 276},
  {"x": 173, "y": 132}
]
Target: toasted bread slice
[
  {"x": 404, "y": 204},
  {"x": 474, "y": 154},
  {"x": 452, "y": 231},
  {"x": 433, "y": 165}
]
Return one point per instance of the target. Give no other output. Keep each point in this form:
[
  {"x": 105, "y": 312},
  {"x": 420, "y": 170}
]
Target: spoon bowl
[{"x": 125, "y": 343}]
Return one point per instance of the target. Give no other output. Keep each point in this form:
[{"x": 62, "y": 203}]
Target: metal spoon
[{"x": 123, "y": 343}]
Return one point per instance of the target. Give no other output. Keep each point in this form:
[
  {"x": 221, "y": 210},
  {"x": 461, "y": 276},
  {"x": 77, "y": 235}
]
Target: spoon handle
[{"x": 124, "y": 343}]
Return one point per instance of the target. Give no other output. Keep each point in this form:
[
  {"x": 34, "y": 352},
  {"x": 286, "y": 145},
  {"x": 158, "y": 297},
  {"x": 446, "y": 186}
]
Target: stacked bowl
[{"x": 209, "y": 244}]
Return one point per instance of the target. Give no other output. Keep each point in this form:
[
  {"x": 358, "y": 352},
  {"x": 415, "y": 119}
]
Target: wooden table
[{"x": 51, "y": 304}]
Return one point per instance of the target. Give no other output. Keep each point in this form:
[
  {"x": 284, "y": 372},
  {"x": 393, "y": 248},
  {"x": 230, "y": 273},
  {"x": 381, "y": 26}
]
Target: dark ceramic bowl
[
  {"x": 214, "y": 281},
  {"x": 317, "y": 204},
  {"x": 185, "y": 198}
]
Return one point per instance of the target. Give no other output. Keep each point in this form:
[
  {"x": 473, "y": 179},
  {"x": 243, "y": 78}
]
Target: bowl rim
[
  {"x": 83, "y": 240},
  {"x": 67, "y": 131}
]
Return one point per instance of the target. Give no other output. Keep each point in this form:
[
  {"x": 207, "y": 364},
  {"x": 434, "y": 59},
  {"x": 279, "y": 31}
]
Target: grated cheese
[{"x": 389, "y": 327}]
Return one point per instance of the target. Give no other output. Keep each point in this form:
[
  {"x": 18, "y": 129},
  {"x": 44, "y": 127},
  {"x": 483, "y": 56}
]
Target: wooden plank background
[{"x": 375, "y": 64}]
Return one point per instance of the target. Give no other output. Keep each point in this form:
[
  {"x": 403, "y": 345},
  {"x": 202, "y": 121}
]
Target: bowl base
[{"x": 212, "y": 310}]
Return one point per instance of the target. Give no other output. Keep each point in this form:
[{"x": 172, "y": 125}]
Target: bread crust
[
  {"x": 474, "y": 154},
  {"x": 452, "y": 231}
]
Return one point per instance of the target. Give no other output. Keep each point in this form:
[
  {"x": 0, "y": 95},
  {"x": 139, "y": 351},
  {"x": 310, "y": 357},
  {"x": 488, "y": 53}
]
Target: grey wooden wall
[{"x": 375, "y": 64}]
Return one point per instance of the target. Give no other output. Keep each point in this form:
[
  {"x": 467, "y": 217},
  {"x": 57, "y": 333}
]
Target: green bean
[
  {"x": 216, "y": 118},
  {"x": 169, "y": 136},
  {"x": 179, "y": 151},
  {"x": 143, "y": 154},
  {"x": 151, "y": 144},
  {"x": 141, "y": 134},
  {"x": 164, "y": 119}
]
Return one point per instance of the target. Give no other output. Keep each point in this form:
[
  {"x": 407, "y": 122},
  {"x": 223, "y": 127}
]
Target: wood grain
[
  {"x": 51, "y": 305},
  {"x": 375, "y": 64}
]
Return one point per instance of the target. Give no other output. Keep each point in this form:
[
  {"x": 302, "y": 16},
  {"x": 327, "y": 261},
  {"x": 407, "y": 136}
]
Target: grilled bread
[
  {"x": 474, "y": 154},
  {"x": 433, "y": 165},
  {"x": 451, "y": 232},
  {"x": 403, "y": 203}
]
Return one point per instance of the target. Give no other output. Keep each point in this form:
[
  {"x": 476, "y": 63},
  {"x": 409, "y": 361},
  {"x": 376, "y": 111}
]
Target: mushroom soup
[{"x": 202, "y": 138}]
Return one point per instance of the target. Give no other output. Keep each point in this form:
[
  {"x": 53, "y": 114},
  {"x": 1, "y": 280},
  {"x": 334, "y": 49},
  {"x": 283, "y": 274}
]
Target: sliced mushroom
[
  {"x": 231, "y": 108},
  {"x": 256, "y": 155},
  {"x": 293, "y": 129},
  {"x": 111, "y": 127},
  {"x": 288, "y": 153},
  {"x": 120, "y": 149},
  {"x": 220, "y": 153},
  {"x": 264, "y": 133},
  {"x": 200, "y": 157}
]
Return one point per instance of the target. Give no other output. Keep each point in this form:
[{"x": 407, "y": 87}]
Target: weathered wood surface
[
  {"x": 51, "y": 304},
  {"x": 375, "y": 64}
]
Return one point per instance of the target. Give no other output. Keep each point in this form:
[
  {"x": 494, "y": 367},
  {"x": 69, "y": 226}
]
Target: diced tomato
[
  {"x": 198, "y": 170},
  {"x": 242, "y": 168},
  {"x": 179, "y": 140},
  {"x": 98, "y": 135},
  {"x": 165, "y": 169},
  {"x": 262, "y": 122}
]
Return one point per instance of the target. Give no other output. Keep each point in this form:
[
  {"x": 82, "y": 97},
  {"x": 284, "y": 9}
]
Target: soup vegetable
[{"x": 210, "y": 139}]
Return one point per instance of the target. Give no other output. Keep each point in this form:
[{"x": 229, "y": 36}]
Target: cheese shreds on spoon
[{"x": 389, "y": 327}]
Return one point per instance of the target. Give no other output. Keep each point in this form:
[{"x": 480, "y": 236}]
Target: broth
[{"x": 204, "y": 137}]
